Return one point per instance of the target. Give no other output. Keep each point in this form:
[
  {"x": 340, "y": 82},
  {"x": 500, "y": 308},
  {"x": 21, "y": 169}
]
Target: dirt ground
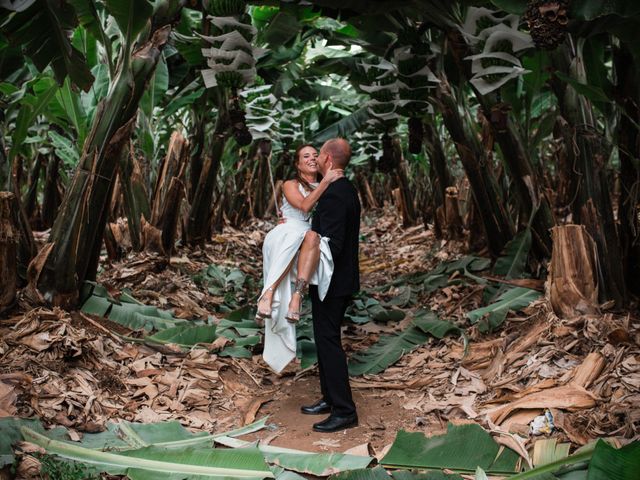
[
  {"x": 380, "y": 415},
  {"x": 76, "y": 370}
]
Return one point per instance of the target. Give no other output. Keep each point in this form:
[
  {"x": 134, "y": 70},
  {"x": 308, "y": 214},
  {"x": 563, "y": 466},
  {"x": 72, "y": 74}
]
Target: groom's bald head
[{"x": 338, "y": 150}]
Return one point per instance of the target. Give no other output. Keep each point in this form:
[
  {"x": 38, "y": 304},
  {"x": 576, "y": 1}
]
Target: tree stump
[
  {"x": 572, "y": 287},
  {"x": 9, "y": 238}
]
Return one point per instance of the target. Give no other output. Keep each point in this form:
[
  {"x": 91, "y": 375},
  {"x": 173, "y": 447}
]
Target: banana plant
[{"x": 78, "y": 230}]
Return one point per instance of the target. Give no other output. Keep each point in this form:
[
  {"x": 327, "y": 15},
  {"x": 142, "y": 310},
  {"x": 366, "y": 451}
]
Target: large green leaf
[
  {"x": 405, "y": 475},
  {"x": 119, "y": 436},
  {"x": 130, "y": 15},
  {"x": 186, "y": 335},
  {"x": 513, "y": 259},
  {"x": 429, "y": 323},
  {"x": 188, "y": 461},
  {"x": 513, "y": 299},
  {"x": 511, "y": 6},
  {"x": 463, "y": 448},
  {"x": 42, "y": 31},
  {"x": 376, "y": 473},
  {"x": 593, "y": 93},
  {"x": 319, "y": 464},
  {"x": 89, "y": 18},
  {"x": 387, "y": 351},
  {"x": 345, "y": 126},
  {"x": 282, "y": 28},
  {"x": 30, "y": 107},
  {"x": 134, "y": 315},
  {"x": 609, "y": 463},
  {"x": 74, "y": 111},
  {"x": 156, "y": 89}
]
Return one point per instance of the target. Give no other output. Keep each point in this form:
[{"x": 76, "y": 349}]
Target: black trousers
[{"x": 332, "y": 361}]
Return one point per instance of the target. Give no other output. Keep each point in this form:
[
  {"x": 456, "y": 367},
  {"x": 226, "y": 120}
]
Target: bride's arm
[{"x": 306, "y": 204}]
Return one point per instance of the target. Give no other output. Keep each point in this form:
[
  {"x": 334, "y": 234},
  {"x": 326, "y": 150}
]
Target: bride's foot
[
  {"x": 295, "y": 304},
  {"x": 264, "y": 306}
]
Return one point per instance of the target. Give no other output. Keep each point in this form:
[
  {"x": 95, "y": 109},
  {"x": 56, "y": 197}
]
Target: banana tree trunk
[
  {"x": 446, "y": 215},
  {"x": 160, "y": 232},
  {"x": 592, "y": 206},
  {"x": 4, "y": 161},
  {"x": 79, "y": 228},
  {"x": 52, "y": 198},
  {"x": 408, "y": 208},
  {"x": 498, "y": 227},
  {"x": 9, "y": 240},
  {"x": 31, "y": 198},
  {"x": 629, "y": 154},
  {"x": 199, "y": 221},
  {"x": 27, "y": 248},
  {"x": 528, "y": 187},
  {"x": 134, "y": 193}
]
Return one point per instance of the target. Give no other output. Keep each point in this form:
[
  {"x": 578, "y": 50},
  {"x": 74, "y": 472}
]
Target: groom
[{"x": 337, "y": 216}]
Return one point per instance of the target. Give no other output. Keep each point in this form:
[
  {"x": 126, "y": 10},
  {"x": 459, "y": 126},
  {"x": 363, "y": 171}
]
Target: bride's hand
[{"x": 333, "y": 175}]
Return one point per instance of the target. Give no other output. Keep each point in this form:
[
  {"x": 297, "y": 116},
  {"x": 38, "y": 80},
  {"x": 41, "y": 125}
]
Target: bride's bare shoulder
[{"x": 291, "y": 184}]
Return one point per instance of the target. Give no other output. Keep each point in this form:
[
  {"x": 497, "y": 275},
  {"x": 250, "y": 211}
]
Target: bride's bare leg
[
  {"x": 264, "y": 302},
  {"x": 307, "y": 264}
]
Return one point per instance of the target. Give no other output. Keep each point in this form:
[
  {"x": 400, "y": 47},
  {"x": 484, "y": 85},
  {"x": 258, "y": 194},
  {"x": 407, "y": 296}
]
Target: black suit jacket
[{"x": 337, "y": 216}]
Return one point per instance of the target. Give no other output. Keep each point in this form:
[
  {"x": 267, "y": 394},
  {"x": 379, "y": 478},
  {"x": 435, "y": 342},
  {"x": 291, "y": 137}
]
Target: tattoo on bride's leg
[
  {"x": 293, "y": 316},
  {"x": 301, "y": 285}
]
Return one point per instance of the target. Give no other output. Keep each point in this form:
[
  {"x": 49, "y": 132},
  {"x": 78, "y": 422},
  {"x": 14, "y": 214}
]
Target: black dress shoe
[
  {"x": 317, "y": 408},
  {"x": 334, "y": 423}
]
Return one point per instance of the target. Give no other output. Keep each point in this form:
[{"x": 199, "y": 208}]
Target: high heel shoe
[
  {"x": 294, "y": 316},
  {"x": 262, "y": 315}
]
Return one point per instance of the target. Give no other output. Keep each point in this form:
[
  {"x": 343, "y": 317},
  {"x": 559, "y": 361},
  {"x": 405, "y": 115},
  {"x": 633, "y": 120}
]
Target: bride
[{"x": 281, "y": 249}]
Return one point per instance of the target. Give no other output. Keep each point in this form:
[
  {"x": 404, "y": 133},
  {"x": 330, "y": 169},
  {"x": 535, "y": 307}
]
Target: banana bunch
[
  {"x": 382, "y": 86},
  {"x": 499, "y": 41},
  {"x": 262, "y": 111},
  {"x": 231, "y": 56},
  {"x": 415, "y": 76}
]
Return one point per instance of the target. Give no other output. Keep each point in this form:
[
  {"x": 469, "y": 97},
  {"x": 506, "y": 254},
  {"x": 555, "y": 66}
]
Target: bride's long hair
[{"x": 306, "y": 185}]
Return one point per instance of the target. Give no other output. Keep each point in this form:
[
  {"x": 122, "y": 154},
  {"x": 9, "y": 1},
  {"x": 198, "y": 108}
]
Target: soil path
[{"x": 380, "y": 412}]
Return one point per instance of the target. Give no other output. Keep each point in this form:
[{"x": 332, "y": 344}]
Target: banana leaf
[
  {"x": 609, "y": 463},
  {"x": 480, "y": 474},
  {"x": 548, "y": 450},
  {"x": 143, "y": 317},
  {"x": 235, "y": 352},
  {"x": 345, "y": 126},
  {"x": 405, "y": 475},
  {"x": 130, "y": 313},
  {"x": 130, "y": 15},
  {"x": 604, "y": 463},
  {"x": 319, "y": 464},
  {"x": 40, "y": 31},
  {"x": 387, "y": 351},
  {"x": 403, "y": 298},
  {"x": 307, "y": 353},
  {"x": 513, "y": 260},
  {"x": 513, "y": 299},
  {"x": 10, "y": 434},
  {"x": 186, "y": 335},
  {"x": 429, "y": 323},
  {"x": 376, "y": 473},
  {"x": 463, "y": 448},
  {"x": 188, "y": 461},
  {"x": 119, "y": 436},
  {"x": 365, "y": 309}
]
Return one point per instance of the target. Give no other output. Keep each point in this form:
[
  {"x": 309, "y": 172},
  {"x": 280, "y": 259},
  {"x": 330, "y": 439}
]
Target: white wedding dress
[{"x": 280, "y": 249}]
